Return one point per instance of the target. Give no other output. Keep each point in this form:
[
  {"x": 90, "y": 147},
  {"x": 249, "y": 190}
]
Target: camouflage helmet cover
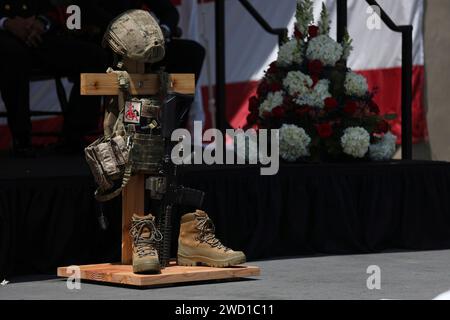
[{"x": 136, "y": 35}]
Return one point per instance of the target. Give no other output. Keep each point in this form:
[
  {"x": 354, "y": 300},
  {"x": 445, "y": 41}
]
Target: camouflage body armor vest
[{"x": 122, "y": 151}]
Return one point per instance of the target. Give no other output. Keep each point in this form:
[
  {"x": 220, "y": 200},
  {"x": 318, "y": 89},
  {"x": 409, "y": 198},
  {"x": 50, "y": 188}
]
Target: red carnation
[
  {"x": 303, "y": 111},
  {"x": 315, "y": 67},
  {"x": 325, "y": 130},
  {"x": 278, "y": 112},
  {"x": 297, "y": 34},
  {"x": 274, "y": 87},
  {"x": 253, "y": 104},
  {"x": 287, "y": 100},
  {"x": 373, "y": 107},
  {"x": 313, "y": 31},
  {"x": 315, "y": 79},
  {"x": 350, "y": 107},
  {"x": 330, "y": 104},
  {"x": 382, "y": 127}
]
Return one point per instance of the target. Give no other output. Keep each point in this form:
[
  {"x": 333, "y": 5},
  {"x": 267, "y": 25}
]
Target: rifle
[{"x": 165, "y": 188}]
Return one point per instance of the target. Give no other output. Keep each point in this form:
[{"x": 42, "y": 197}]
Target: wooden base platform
[{"x": 123, "y": 275}]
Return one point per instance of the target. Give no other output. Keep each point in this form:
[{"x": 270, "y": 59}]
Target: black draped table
[
  {"x": 48, "y": 216},
  {"x": 329, "y": 208}
]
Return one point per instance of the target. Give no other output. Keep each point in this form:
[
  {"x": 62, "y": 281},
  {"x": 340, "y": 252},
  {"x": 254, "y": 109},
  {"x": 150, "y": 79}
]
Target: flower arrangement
[{"x": 323, "y": 109}]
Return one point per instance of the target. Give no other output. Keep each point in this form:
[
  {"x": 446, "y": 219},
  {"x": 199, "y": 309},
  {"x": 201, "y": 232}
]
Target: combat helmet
[{"x": 136, "y": 35}]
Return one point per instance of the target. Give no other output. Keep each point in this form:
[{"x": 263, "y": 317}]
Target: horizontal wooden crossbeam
[{"x": 106, "y": 84}]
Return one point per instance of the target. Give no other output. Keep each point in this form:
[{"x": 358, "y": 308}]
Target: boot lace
[
  {"x": 207, "y": 233},
  {"x": 145, "y": 245}
]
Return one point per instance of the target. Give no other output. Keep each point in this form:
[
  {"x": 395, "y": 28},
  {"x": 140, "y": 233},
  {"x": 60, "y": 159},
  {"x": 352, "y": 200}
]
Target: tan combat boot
[
  {"x": 145, "y": 234},
  {"x": 198, "y": 244}
]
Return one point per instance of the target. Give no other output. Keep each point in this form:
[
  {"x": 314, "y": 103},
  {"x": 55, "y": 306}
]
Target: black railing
[
  {"x": 221, "y": 120},
  {"x": 407, "y": 67},
  {"x": 282, "y": 33}
]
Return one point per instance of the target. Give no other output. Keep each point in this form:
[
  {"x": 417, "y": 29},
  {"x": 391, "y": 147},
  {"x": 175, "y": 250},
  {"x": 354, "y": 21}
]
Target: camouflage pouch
[
  {"x": 96, "y": 167},
  {"x": 107, "y": 158},
  {"x": 146, "y": 153}
]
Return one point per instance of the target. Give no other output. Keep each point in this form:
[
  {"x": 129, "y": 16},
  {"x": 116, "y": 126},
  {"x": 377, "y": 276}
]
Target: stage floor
[{"x": 404, "y": 275}]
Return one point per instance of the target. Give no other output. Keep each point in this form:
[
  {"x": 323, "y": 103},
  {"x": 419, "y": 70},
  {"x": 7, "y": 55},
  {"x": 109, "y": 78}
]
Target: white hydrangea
[
  {"x": 316, "y": 96},
  {"x": 289, "y": 53},
  {"x": 294, "y": 143},
  {"x": 273, "y": 100},
  {"x": 355, "y": 142},
  {"x": 296, "y": 82},
  {"x": 384, "y": 149},
  {"x": 355, "y": 84},
  {"x": 325, "y": 49}
]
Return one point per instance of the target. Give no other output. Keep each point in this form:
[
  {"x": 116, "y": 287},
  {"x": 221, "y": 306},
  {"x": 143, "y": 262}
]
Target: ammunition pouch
[
  {"x": 151, "y": 108},
  {"x": 157, "y": 187},
  {"x": 146, "y": 153},
  {"x": 107, "y": 159}
]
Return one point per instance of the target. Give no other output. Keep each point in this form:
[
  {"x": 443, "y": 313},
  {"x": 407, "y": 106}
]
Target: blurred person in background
[{"x": 31, "y": 38}]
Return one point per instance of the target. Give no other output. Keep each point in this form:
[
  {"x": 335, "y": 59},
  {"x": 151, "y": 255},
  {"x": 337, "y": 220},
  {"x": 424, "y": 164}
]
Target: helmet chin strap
[{"x": 118, "y": 62}]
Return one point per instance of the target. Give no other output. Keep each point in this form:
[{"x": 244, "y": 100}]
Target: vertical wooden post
[
  {"x": 132, "y": 203},
  {"x": 133, "y": 195},
  {"x": 133, "y": 66}
]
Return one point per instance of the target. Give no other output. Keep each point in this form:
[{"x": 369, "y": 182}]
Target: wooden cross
[
  {"x": 133, "y": 195},
  {"x": 141, "y": 84}
]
